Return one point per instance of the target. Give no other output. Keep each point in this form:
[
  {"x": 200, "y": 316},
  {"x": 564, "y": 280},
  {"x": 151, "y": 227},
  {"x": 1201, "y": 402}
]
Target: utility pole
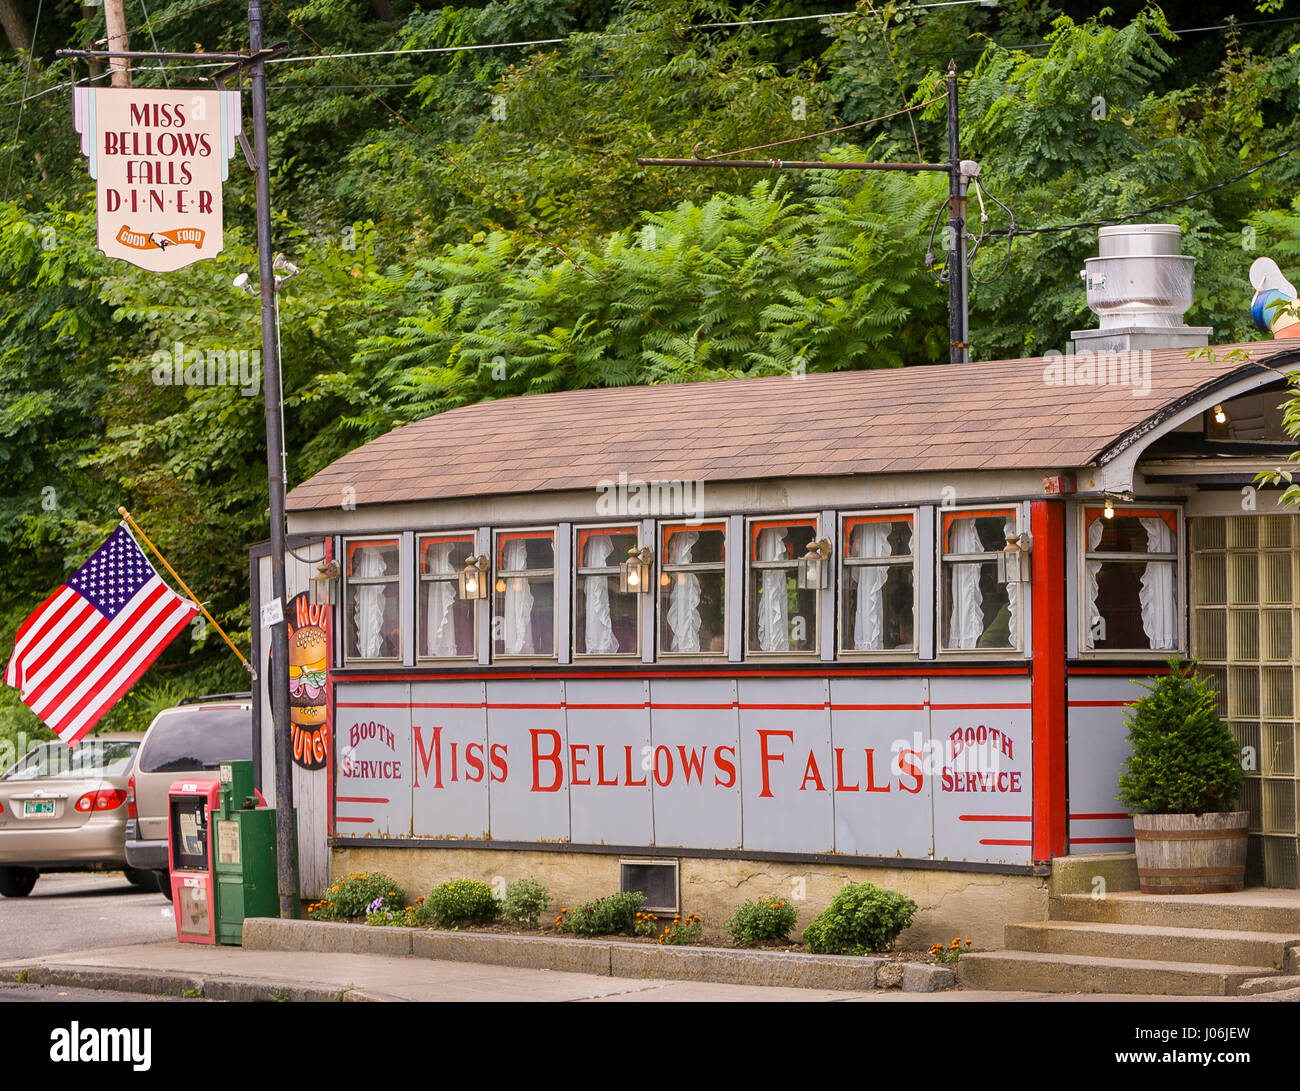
[
  {"x": 959, "y": 172},
  {"x": 255, "y": 62},
  {"x": 115, "y": 19},
  {"x": 286, "y": 834}
]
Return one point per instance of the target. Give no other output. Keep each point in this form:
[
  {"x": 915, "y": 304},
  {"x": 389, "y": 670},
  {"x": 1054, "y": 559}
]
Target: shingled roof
[{"x": 997, "y": 415}]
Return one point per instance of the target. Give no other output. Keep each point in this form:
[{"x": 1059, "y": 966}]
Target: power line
[{"x": 1014, "y": 231}]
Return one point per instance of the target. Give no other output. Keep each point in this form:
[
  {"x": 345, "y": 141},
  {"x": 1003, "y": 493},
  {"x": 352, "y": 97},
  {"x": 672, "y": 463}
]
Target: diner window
[
  {"x": 878, "y": 598},
  {"x": 1130, "y": 579},
  {"x": 782, "y": 616},
  {"x": 977, "y": 610},
  {"x": 523, "y": 600},
  {"x": 692, "y": 589},
  {"x": 606, "y": 621},
  {"x": 446, "y": 623},
  {"x": 371, "y": 599}
]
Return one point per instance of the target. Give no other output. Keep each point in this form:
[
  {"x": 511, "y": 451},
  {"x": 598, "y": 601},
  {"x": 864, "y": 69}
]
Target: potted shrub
[{"x": 1181, "y": 784}]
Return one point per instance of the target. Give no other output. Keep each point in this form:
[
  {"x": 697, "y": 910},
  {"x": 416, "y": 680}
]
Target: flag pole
[{"x": 194, "y": 598}]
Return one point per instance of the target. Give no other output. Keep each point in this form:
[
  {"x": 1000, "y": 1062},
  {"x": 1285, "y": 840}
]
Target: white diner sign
[{"x": 159, "y": 158}]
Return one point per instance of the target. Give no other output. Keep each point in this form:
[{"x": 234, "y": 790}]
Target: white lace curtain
[
  {"x": 1093, "y": 630},
  {"x": 518, "y": 604},
  {"x": 966, "y": 618},
  {"x": 684, "y": 601},
  {"x": 871, "y": 540},
  {"x": 1157, "y": 597},
  {"x": 442, "y": 598},
  {"x": 773, "y": 605},
  {"x": 368, "y": 611},
  {"x": 600, "y": 627},
  {"x": 1013, "y": 592}
]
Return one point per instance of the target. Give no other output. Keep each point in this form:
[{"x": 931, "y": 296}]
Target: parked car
[
  {"x": 194, "y": 737},
  {"x": 63, "y": 808}
]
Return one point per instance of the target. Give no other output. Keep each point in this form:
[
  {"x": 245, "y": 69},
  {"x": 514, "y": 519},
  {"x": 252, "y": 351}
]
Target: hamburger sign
[
  {"x": 308, "y": 675},
  {"x": 159, "y": 158}
]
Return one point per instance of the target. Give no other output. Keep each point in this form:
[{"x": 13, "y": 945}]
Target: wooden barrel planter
[{"x": 1191, "y": 853}]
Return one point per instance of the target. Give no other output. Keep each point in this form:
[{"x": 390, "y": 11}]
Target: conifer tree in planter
[{"x": 1180, "y": 784}]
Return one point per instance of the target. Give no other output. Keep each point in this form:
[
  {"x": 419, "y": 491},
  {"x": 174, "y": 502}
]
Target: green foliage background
[{"x": 473, "y": 225}]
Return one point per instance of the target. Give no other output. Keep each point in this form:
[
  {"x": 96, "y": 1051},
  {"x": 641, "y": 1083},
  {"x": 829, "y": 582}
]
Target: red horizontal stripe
[
  {"x": 571, "y": 704},
  {"x": 735, "y": 671},
  {"x": 1102, "y": 704},
  {"x": 340, "y": 818},
  {"x": 679, "y": 706},
  {"x": 995, "y": 818},
  {"x": 1120, "y": 670},
  {"x": 879, "y": 708},
  {"x": 1099, "y": 817},
  {"x": 995, "y": 841},
  {"x": 1008, "y": 704},
  {"x": 360, "y": 799}
]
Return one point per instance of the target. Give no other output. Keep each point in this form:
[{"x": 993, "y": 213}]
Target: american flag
[{"x": 89, "y": 641}]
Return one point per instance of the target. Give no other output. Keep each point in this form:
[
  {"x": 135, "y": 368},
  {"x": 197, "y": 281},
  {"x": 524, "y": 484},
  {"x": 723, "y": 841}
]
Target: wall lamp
[
  {"x": 473, "y": 577},
  {"x": 814, "y": 566}
]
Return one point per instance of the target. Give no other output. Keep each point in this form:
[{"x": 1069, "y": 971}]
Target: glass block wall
[{"x": 1246, "y": 636}]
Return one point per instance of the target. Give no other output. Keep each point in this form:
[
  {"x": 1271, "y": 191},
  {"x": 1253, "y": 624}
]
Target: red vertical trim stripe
[{"x": 1051, "y": 813}]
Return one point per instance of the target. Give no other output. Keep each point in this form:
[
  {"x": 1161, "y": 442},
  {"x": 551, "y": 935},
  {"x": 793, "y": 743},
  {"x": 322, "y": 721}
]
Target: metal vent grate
[{"x": 658, "y": 880}]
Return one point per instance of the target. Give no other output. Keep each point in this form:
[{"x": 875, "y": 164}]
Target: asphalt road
[{"x": 81, "y": 911}]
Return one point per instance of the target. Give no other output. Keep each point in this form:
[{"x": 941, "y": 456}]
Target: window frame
[
  {"x": 942, "y": 557},
  {"x": 793, "y": 519},
  {"x": 662, "y": 568},
  {"x": 469, "y": 534},
  {"x": 847, "y": 564},
  {"x": 498, "y": 573},
  {"x": 1178, "y": 558},
  {"x": 579, "y": 570},
  {"x": 349, "y": 582}
]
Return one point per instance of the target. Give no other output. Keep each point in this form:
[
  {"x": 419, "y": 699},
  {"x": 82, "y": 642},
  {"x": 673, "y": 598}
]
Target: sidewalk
[{"x": 236, "y": 974}]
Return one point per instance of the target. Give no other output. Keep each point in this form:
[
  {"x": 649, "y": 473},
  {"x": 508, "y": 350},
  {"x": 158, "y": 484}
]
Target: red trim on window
[
  {"x": 441, "y": 539},
  {"x": 353, "y": 546},
  {"x": 852, "y": 521},
  {"x": 670, "y": 529},
  {"x": 1050, "y": 789},
  {"x": 1143, "y": 671},
  {"x": 975, "y": 513},
  {"x": 1169, "y": 515},
  {"x": 522, "y": 536},
  {"x": 769, "y": 524},
  {"x": 587, "y": 532}
]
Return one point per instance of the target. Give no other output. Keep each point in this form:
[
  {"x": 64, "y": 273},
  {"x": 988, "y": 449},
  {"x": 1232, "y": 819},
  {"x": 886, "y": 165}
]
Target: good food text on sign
[{"x": 159, "y": 158}]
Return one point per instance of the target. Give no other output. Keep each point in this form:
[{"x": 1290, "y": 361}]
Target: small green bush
[
  {"x": 603, "y": 917},
  {"x": 1185, "y": 759},
  {"x": 860, "y": 918},
  {"x": 769, "y": 918},
  {"x": 355, "y": 895},
  {"x": 525, "y": 902},
  {"x": 458, "y": 902}
]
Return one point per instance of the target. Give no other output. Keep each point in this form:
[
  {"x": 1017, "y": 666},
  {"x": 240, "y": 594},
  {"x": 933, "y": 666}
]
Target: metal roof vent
[{"x": 1140, "y": 285}]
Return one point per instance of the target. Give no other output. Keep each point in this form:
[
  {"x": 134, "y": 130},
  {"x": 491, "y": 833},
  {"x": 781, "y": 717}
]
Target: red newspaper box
[{"x": 190, "y": 806}]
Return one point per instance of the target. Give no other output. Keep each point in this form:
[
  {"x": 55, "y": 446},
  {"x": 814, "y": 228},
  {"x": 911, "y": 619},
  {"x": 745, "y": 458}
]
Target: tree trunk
[
  {"x": 16, "y": 27},
  {"x": 96, "y": 67},
  {"x": 115, "y": 19}
]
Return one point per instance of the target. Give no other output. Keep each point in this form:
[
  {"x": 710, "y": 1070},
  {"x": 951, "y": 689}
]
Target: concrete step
[
  {"x": 1038, "y": 972},
  {"x": 1251, "y": 911},
  {"x": 1269, "y": 950},
  {"x": 1273, "y": 984}
]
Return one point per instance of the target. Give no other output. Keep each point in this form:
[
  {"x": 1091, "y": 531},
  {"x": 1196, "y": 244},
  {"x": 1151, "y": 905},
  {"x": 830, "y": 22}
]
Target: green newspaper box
[{"x": 243, "y": 841}]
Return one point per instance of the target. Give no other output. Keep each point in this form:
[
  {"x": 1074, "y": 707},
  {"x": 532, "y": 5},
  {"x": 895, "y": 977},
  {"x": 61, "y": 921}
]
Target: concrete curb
[
  {"x": 164, "y": 983},
  {"x": 610, "y": 958}
]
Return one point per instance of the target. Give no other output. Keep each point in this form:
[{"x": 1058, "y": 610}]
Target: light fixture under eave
[
  {"x": 634, "y": 575},
  {"x": 1220, "y": 415},
  {"x": 814, "y": 566},
  {"x": 473, "y": 577},
  {"x": 1109, "y": 511}
]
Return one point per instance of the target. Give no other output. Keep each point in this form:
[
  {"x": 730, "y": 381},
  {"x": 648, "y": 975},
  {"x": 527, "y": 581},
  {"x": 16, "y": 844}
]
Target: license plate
[{"x": 37, "y": 806}]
